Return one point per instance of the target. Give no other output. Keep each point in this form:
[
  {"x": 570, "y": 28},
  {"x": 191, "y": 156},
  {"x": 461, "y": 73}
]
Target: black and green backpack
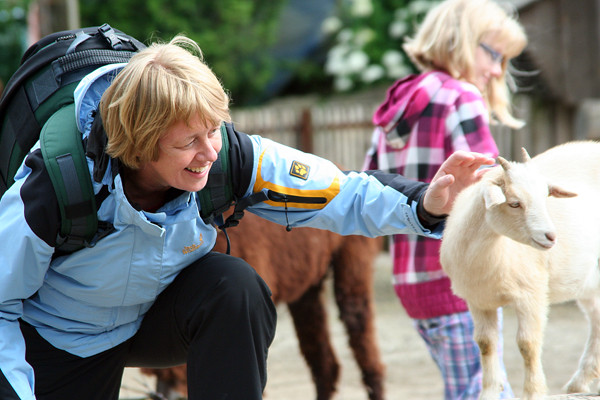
[{"x": 37, "y": 104}]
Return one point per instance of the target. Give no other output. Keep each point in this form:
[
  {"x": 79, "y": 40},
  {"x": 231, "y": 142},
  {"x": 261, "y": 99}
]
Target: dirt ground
[{"x": 411, "y": 374}]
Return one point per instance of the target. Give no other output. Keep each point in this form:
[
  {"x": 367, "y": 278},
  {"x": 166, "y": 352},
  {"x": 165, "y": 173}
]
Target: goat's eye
[{"x": 514, "y": 204}]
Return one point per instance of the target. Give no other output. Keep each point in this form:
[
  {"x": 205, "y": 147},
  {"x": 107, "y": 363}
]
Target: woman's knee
[
  {"x": 231, "y": 286},
  {"x": 234, "y": 276}
]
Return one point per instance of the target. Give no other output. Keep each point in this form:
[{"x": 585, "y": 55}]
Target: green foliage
[
  {"x": 367, "y": 41},
  {"x": 363, "y": 47},
  {"x": 13, "y": 36},
  {"x": 233, "y": 34}
]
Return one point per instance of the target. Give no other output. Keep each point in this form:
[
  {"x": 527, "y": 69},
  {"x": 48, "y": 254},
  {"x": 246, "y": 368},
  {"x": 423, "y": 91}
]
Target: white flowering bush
[{"x": 367, "y": 38}]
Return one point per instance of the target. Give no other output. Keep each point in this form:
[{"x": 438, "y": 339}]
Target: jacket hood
[
  {"x": 89, "y": 92},
  {"x": 406, "y": 100},
  {"x": 87, "y": 97}
]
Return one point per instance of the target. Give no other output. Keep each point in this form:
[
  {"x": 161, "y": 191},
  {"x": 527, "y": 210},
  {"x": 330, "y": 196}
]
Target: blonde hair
[
  {"x": 162, "y": 84},
  {"x": 449, "y": 36}
]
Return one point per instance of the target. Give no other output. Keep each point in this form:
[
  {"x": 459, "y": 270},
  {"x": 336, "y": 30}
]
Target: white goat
[{"x": 518, "y": 238}]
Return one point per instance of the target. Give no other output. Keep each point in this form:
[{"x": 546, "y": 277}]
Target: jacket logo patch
[
  {"x": 299, "y": 170},
  {"x": 193, "y": 247}
]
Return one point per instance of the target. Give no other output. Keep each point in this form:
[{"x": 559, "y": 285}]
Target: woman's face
[
  {"x": 185, "y": 156},
  {"x": 489, "y": 56}
]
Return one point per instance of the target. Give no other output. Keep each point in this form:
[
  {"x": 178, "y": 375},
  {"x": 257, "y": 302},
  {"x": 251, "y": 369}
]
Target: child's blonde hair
[
  {"x": 449, "y": 36},
  {"x": 162, "y": 84}
]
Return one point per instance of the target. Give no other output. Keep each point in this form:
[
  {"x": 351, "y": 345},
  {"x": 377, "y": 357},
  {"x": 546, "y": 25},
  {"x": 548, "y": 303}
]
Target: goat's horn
[
  {"x": 525, "y": 155},
  {"x": 505, "y": 164}
]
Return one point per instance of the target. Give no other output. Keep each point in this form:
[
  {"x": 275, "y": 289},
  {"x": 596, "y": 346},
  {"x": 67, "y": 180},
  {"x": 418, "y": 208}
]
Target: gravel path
[{"x": 410, "y": 372}]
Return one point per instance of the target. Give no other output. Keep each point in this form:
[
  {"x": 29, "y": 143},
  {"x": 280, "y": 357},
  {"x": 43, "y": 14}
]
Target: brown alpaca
[{"x": 295, "y": 264}]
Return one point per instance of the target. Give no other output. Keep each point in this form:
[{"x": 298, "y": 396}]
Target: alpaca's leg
[
  {"x": 486, "y": 335},
  {"x": 310, "y": 320},
  {"x": 171, "y": 382},
  {"x": 353, "y": 284},
  {"x": 589, "y": 365},
  {"x": 532, "y": 314}
]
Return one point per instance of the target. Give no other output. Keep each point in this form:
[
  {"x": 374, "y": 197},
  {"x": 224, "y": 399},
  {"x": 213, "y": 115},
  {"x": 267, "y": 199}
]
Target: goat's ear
[
  {"x": 493, "y": 195},
  {"x": 557, "y": 191}
]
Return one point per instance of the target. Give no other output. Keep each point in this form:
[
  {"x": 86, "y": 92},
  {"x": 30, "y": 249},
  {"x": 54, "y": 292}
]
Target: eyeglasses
[{"x": 494, "y": 55}]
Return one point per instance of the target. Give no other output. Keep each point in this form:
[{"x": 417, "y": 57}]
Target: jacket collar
[{"x": 95, "y": 149}]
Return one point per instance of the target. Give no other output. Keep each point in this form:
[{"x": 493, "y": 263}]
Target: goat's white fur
[{"x": 528, "y": 235}]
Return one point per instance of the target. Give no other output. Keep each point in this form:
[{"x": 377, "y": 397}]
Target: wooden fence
[{"x": 340, "y": 129}]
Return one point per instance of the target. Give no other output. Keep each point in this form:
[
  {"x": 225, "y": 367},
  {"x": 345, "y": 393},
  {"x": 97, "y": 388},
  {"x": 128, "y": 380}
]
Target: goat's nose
[{"x": 551, "y": 236}]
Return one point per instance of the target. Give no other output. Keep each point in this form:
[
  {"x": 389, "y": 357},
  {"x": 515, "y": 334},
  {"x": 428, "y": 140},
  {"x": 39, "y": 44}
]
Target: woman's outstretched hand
[{"x": 460, "y": 170}]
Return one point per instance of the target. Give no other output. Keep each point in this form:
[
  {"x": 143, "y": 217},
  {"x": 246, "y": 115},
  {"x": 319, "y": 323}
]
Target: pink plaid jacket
[{"x": 423, "y": 120}]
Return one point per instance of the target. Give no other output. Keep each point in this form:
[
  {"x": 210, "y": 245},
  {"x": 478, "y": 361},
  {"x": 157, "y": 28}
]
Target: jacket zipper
[{"x": 286, "y": 198}]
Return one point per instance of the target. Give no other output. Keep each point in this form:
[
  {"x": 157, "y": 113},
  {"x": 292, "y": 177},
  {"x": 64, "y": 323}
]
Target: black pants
[{"x": 217, "y": 316}]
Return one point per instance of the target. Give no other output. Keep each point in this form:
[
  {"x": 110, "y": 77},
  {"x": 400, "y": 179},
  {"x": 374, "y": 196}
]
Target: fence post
[{"x": 305, "y": 131}]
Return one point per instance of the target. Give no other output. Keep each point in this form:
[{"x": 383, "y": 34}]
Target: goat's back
[
  {"x": 573, "y": 265},
  {"x": 572, "y": 163}
]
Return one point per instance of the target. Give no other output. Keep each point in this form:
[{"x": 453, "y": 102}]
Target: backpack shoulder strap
[
  {"x": 219, "y": 193},
  {"x": 64, "y": 157},
  {"x": 217, "y": 196}
]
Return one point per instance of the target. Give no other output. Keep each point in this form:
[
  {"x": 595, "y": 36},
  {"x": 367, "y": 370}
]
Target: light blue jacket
[{"x": 94, "y": 299}]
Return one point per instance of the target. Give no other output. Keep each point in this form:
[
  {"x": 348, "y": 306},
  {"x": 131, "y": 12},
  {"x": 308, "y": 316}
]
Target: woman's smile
[{"x": 199, "y": 170}]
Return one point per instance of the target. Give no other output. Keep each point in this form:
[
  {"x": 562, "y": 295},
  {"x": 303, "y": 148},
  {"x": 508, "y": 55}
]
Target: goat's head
[{"x": 516, "y": 203}]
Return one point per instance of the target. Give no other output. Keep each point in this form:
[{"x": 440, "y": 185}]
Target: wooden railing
[
  {"x": 336, "y": 131},
  {"x": 340, "y": 130}
]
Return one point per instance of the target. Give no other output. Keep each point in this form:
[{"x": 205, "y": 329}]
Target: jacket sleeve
[
  {"x": 306, "y": 190},
  {"x": 25, "y": 258}
]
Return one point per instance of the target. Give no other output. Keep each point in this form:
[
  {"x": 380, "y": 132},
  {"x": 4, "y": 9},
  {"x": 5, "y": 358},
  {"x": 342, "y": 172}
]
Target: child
[{"x": 462, "y": 49}]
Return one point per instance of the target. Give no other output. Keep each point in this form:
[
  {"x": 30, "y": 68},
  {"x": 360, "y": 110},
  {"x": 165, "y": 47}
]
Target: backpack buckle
[
  {"x": 111, "y": 37},
  {"x": 233, "y": 220}
]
